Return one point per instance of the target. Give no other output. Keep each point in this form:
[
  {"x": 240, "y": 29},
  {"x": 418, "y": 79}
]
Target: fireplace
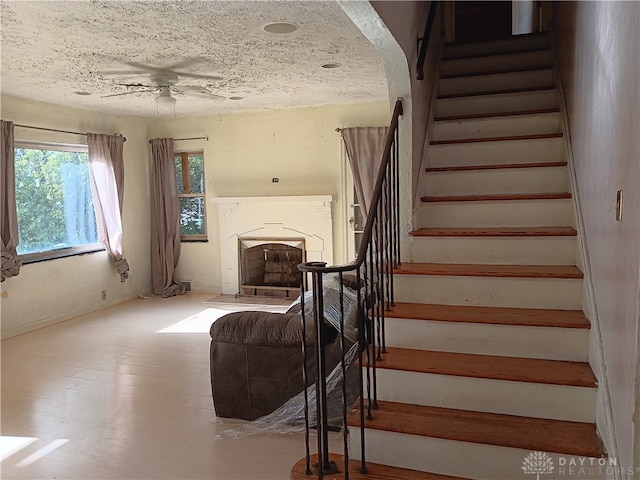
[
  {"x": 270, "y": 267},
  {"x": 297, "y": 221}
]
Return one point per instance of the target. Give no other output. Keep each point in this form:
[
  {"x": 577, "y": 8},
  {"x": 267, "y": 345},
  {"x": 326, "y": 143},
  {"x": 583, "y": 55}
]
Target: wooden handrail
[
  {"x": 423, "y": 42},
  {"x": 378, "y": 255}
]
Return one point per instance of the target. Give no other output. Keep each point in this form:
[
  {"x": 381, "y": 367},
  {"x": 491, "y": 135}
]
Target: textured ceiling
[{"x": 51, "y": 50}]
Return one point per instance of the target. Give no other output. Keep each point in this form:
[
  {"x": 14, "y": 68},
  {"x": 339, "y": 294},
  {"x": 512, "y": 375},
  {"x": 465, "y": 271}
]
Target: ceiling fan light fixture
[{"x": 165, "y": 101}]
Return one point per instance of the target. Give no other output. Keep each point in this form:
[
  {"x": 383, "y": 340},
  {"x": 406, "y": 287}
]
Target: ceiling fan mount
[{"x": 164, "y": 78}]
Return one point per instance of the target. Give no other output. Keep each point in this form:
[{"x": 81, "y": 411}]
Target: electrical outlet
[{"x": 103, "y": 294}]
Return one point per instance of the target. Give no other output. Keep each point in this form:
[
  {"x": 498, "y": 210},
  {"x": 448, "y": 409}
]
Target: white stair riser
[
  {"x": 495, "y": 250},
  {"x": 563, "y": 294},
  {"x": 495, "y": 82},
  {"x": 557, "y": 402},
  {"x": 535, "y": 124},
  {"x": 490, "y": 153},
  {"x": 551, "y": 343},
  {"x": 528, "y": 42},
  {"x": 511, "y": 180},
  {"x": 491, "y": 63},
  {"x": 496, "y": 103},
  {"x": 469, "y": 460},
  {"x": 521, "y": 213}
]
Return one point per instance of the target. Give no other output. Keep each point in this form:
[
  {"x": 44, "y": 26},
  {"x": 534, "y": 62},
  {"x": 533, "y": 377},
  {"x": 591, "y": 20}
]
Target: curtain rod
[
  {"x": 56, "y": 130},
  {"x": 190, "y": 138},
  {"x": 338, "y": 129}
]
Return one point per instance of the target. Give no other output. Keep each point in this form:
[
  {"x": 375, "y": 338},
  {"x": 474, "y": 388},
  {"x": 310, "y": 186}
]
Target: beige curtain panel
[
  {"x": 107, "y": 186},
  {"x": 9, "y": 228},
  {"x": 165, "y": 219},
  {"x": 365, "y": 147}
]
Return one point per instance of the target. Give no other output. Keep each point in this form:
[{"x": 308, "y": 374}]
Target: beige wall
[
  {"x": 599, "y": 63},
  {"x": 245, "y": 151},
  {"x": 243, "y": 154},
  {"x": 406, "y": 20},
  {"x": 55, "y": 290}
]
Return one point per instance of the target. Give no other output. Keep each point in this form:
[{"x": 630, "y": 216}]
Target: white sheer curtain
[
  {"x": 107, "y": 186},
  {"x": 165, "y": 219},
  {"x": 9, "y": 227},
  {"x": 365, "y": 147}
]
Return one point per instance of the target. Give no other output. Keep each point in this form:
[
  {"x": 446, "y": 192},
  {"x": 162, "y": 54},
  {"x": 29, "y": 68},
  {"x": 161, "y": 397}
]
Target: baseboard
[
  {"x": 13, "y": 332},
  {"x": 604, "y": 413}
]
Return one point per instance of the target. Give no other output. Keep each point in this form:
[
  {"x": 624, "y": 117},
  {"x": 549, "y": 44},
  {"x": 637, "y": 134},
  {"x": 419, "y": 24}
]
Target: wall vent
[{"x": 187, "y": 286}]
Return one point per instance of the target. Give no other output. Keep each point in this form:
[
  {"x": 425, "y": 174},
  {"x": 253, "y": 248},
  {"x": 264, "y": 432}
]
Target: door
[{"x": 478, "y": 21}]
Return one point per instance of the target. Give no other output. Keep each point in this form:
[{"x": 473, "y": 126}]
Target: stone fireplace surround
[{"x": 273, "y": 219}]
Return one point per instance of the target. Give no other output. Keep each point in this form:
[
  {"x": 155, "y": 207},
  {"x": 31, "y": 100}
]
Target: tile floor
[{"x": 124, "y": 393}]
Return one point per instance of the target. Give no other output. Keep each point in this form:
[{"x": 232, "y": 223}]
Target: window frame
[
  {"x": 186, "y": 187},
  {"x": 56, "y": 253}
]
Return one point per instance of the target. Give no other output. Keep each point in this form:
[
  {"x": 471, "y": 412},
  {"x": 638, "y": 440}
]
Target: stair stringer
[
  {"x": 604, "y": 412},
  {"x": 418, "y": 184}
]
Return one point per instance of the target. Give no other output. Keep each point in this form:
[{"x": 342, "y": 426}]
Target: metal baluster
[
  {"x": 305, "y": 382},
  {"x": 396, "y": 156},
  {"x": 376, "y": 321},
  {"x": 345, "y": 432},
  {"x": 362, "y": 325},
  {"x": 324, "y": 464},
  {"x": 370, "y": 327}
]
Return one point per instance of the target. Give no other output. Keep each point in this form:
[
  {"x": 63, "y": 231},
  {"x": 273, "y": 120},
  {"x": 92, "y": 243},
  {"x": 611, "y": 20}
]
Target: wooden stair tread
[
  {"x": 496, "y": 166},
  {"x": 375, "y": 471},
  {"x": 532, "y": 434},
  {"x": 495, "y": 72},
  {"x": 484, "y": 54},
  {"x": 498, "y": 197},
  {"x": 514, "y": 369},
  {"x": 483, "y": 270},
  {"x": 497, "y": 92},
  {"x": 496, "y": 232},
  {"x": 471, "y": 116},
  {"x": 496, "y": 139},
  {"x": 517, "y": 37},
  {"x": 490, "y": 315}
]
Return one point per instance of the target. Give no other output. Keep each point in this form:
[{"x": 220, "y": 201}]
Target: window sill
[
  {"x": 194, "y": 240},
  {"x": 36, "y": 257}
]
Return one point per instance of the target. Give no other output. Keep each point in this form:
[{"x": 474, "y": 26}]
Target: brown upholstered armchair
[{"x": 256, "y": 360}]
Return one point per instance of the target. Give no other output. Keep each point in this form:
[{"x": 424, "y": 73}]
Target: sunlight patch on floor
[
  {"x": 47, "y": 449},
  {"x": 201, "y": 321},
  {"x": 11, "y": 445}
]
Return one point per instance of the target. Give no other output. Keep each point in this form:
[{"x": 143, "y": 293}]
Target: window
[
  {"x": 190, "y": 182},
  {"x": 53, "y": 201}
]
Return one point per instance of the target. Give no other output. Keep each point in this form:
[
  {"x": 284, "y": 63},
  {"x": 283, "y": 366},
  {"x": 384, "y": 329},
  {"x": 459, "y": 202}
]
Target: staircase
[{"x": 487, "y": 345}]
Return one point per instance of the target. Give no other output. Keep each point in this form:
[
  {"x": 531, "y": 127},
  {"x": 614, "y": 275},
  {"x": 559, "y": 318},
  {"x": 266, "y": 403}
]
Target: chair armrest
[{"x": 259, "y": 329}]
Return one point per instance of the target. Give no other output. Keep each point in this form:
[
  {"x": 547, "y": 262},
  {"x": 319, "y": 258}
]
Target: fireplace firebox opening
[{"x": 269, "y": 267}]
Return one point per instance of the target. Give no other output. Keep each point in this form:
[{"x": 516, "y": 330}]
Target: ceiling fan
[{"x": 164, "y": 82}]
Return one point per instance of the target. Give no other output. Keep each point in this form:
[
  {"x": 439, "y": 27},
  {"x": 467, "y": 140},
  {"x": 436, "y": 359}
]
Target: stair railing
[
  {"x": 423, "y": 42},
  {"x": 378, "y": 255}
]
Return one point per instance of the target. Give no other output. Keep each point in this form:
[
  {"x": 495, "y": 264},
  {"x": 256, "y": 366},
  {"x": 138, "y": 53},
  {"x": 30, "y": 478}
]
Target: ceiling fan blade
[
  {"x": 189, "y": 88},
  {"x": 128, "y": 93},
  {"x": 199, "y": 92},
  {"x": 135, "y": 85},
  {"x": 119, "y": 72},
  {"x": 199, "y": 76},
  {"x": 186, "y": 62},
  {"x": 144, "y": 67}
]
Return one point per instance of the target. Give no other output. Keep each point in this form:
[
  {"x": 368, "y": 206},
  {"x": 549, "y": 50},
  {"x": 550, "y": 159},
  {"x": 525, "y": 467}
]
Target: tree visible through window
[
  {"x": 190, "y": 183},
  {"x": 53, "y": 200}
]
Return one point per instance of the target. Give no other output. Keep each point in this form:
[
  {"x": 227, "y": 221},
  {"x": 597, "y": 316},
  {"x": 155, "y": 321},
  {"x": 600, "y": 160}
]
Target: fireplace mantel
[{"x": 273, "y": 218}]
